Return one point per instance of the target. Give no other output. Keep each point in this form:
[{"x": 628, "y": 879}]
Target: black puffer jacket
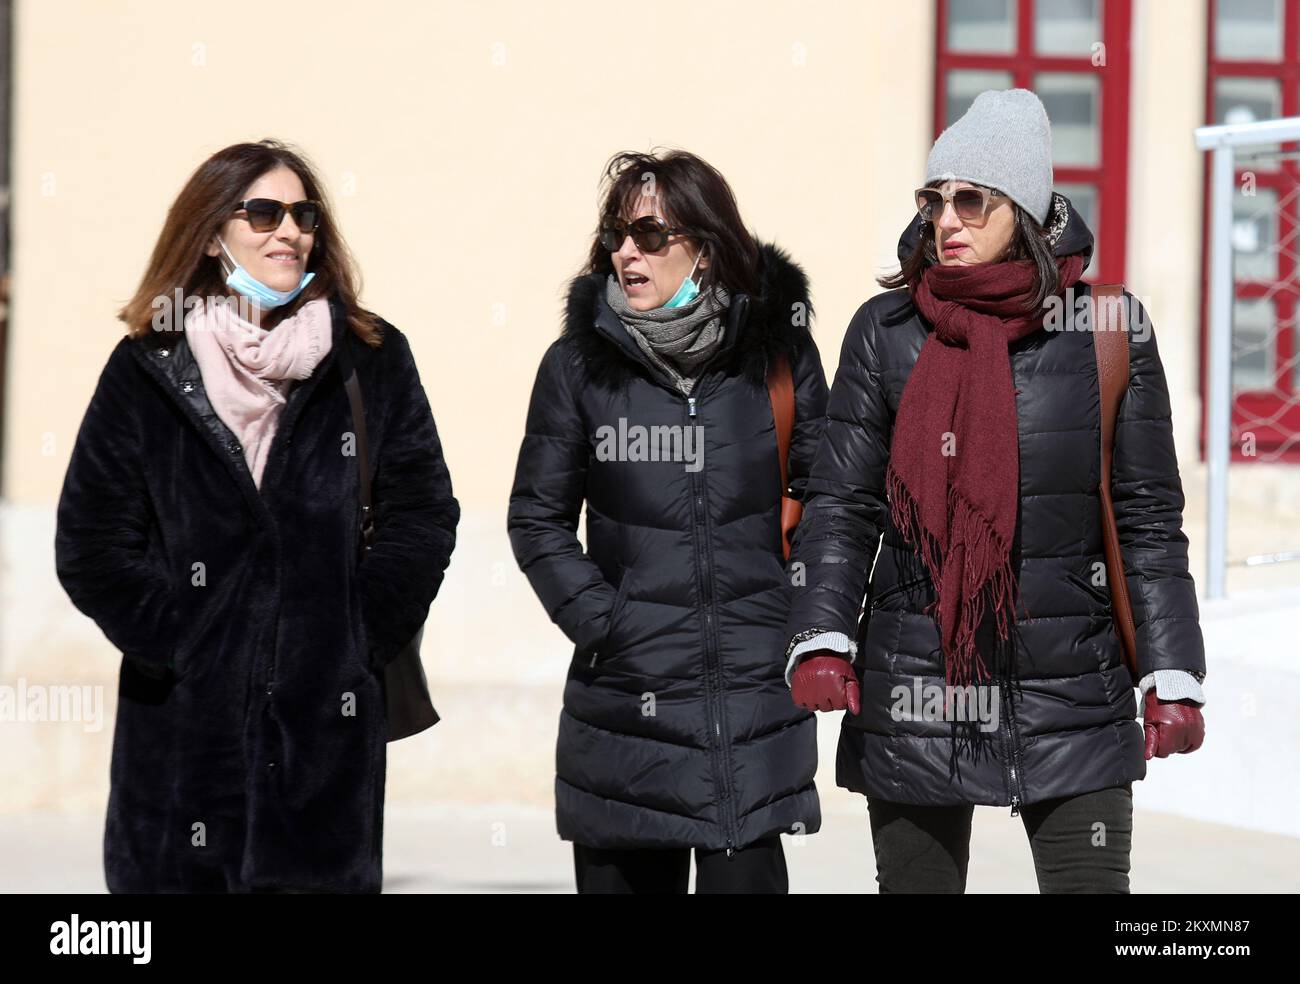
[
  {"x": 678, "y": 729},
  {"x": 1071, "y": 727}
]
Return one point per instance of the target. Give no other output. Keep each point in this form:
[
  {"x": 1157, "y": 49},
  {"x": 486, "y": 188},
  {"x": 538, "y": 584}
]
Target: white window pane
[
  {"x": 1247, "y": 100},
  {"x": 965, "y": 84},
  {"x": 1248, "y": 29},
  {"x": 1084, "y": 199},
  {"x": 1254, "y": 235},
  {"x": 1252, "y": 344},
  {"x": 1066, "y": 27},
  {"x": 982, "y": 25},
  {"x": 1073, "y": 103}
]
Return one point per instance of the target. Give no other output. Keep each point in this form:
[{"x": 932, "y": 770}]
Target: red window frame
[
  {"x": 1110, "y": 176},
  {"x": 1253, "y": 406}
]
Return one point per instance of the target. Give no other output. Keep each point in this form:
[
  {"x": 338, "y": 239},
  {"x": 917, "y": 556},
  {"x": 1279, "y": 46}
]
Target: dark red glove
[
  {"x": 1171, "y": 726},
  {"x": 824, "y": 681}
]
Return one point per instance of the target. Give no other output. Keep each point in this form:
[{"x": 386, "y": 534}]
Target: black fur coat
[{"x": 249, "y": 748}]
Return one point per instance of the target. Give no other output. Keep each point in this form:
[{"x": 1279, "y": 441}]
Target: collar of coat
[
  {"x": 774, "y": 322},
  {"x": 167, "y": 357}
]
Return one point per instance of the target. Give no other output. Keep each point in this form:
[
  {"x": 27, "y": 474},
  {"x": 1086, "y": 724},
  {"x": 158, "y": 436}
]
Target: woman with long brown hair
[{"x": 210, "y": 523}]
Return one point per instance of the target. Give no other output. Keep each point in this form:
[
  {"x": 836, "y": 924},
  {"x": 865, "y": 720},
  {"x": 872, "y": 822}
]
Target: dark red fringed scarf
[{"x": 954, "y": 470}]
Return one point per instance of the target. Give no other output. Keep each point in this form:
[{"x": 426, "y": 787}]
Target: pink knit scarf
[{"x": 247, "y": 371}]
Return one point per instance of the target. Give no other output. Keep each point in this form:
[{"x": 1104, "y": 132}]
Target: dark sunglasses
[
  {"x": 266, "y": 214},
  {"x": 650, "y": 233},
  {"x": 970, "y": 204}
]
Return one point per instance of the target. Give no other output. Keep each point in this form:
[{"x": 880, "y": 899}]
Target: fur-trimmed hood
[{"x": 758, "y": 328}]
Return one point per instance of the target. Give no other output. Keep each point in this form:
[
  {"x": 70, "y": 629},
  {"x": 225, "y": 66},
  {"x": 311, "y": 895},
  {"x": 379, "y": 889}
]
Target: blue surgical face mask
[
  {"x": 245, "y": 284},
  {"x": 689, "y": 290}
]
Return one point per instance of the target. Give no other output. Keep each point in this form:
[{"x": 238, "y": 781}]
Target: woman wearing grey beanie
[{"x": 963, "y": 430}]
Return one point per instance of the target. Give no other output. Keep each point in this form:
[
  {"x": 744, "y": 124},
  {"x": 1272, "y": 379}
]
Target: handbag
[
  {"x": 1110, "y": 342},
  {"x": 780, "y": 390},
  {"x": 409, "y": 709}
]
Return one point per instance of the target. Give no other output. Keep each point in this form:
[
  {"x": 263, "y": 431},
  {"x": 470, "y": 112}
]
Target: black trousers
[
  {"x": 756, "y": 869},
  {"x": 1080, "y": 843}
]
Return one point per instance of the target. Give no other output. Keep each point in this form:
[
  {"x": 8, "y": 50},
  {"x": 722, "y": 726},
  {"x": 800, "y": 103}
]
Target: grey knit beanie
[{"x": 1003, "y": 141}]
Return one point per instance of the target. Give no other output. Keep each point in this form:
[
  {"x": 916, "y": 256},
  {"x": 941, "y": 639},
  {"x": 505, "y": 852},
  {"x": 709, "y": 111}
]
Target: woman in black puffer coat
[
  {"x": 1021, "y": 615},
  {"x": 652, "y": 408}
]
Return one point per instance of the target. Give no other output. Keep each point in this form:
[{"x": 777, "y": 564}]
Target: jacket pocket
[
  {"x": 605, "y": 648},
  {"x": 897, "y": 589}
]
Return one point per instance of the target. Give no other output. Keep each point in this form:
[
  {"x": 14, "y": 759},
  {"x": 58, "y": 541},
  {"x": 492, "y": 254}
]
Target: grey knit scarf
[{"x": 678, "y": 340}]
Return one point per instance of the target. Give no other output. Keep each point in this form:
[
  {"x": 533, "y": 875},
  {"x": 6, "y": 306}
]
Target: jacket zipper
[
  {"x": 1013, "y": 754},
  {"x": 712, "y": 669}
]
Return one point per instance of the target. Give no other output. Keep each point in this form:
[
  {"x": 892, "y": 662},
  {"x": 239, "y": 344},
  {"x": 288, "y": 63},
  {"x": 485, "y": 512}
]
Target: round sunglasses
[
  {"x": 266, "y": 214},
  {"x": 650, "y": 233},
  {"x": 970, "y": 204}
]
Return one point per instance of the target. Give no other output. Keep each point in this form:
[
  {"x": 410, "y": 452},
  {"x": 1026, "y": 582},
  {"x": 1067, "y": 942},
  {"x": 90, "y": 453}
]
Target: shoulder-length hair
[
  {"x": 180, "y": 260},
  {"x": 1028, "y": 242},
  {"x": 693, "y": 196}
]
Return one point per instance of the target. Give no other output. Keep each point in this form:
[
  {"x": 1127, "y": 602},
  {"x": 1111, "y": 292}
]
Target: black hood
[
  {"x": 1074, "y": 237},
  {"x": 758, "y": 327}
]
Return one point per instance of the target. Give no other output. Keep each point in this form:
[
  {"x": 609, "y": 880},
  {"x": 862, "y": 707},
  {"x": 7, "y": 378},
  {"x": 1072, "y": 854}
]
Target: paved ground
[{"x": 481, "y": 849}]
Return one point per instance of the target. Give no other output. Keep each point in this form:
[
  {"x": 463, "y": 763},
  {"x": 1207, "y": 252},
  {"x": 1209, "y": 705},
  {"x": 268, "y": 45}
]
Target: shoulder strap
[
  {"x": 780, "y": 390},
  {"x": 350, "y": 383},
  {"x": 1110, "y": 340}
]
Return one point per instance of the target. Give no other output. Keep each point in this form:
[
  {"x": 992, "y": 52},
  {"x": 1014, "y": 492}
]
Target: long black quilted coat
[
  {"x": 1071, "y": 726},
  {"x": 678, "y": 729},
  {"x": 249, "y": 749}
]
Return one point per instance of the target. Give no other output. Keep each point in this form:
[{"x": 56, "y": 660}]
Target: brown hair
[
  {"x": 180, "y": 260},
  {"x": 694, "y": 196}
]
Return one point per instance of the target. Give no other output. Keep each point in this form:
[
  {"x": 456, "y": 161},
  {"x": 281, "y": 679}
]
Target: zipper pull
[
  {"x": 690, "y": 402},
  {"x": 1015, "y": 806}
]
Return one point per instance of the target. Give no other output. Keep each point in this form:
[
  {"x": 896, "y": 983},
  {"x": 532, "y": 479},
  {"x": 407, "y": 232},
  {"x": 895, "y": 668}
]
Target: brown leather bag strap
[
  {"x": 780, "y": 389},
  {"x": 1110, "y": 340}
]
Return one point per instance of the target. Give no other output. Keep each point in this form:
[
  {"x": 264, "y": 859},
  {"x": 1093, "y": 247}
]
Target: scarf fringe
[{"x": 988, "y": 584}]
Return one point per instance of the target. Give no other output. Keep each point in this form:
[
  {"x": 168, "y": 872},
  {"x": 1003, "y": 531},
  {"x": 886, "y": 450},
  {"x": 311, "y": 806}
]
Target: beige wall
[
  {"x": 462, "y": 143},
  {"x": 1167, "y": 102}
]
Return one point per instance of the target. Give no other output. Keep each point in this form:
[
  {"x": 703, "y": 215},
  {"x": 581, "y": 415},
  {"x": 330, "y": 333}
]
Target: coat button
[
  {"x": 187, "y": 386},
  {"x": 270, "y": 765},
  {"x": 233, "y": 447},
  {"x": 163, "y": 353}
]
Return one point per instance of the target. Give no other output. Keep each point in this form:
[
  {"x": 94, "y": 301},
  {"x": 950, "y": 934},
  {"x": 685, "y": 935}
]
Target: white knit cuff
[
  {"x": 1172, "y": 685},
  {"x": 834, "y": 641}
]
